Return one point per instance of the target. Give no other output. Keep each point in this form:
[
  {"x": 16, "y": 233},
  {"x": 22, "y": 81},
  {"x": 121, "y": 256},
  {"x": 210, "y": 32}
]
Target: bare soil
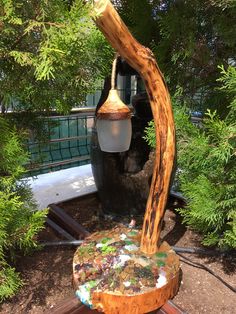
[{"x": 47, "y": 274}]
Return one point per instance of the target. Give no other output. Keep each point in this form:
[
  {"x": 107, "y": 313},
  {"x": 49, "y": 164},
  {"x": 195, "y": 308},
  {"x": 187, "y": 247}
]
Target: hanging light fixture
[{"x": 114, "y": 121}]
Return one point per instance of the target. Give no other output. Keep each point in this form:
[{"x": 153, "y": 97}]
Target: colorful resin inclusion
[{"x": 111, "y": 261}]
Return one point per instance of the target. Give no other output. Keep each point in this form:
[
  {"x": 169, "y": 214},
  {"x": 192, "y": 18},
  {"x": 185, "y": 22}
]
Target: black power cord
[{"x": 188, "y": 261}]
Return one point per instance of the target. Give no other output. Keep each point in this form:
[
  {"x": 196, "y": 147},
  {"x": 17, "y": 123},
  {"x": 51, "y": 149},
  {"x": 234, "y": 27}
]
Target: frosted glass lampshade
[{"x": 114, "y": 135}]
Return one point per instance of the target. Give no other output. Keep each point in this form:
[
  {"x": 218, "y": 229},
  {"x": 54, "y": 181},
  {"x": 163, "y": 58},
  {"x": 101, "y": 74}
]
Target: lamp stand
[
  {"x": 143, "y": 61},
  {"x": 147, "y": 243}
]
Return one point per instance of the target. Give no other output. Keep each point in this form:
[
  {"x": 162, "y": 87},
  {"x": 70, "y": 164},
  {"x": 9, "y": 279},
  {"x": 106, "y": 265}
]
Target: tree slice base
[{"x": 112, "y": 275}]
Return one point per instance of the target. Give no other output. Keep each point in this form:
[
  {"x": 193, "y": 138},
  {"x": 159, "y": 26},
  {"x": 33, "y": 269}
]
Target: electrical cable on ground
[
  {"x": 62, "y": 243},
  {"x": 196, "y": 250},
  {"x": 188, "y": 261}
]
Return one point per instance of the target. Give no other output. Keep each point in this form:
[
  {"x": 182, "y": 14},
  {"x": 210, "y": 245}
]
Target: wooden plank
[
  {"x": 72, "y": 305},
  {"x": 59, "y": 230},
  {"x": 58, "y": 215},
  {"x": 79, "y": 198},
  {"x": 67, "y": 306},
  {"x": 170, "y": 308},
  {"x": 85, "y": 310}
]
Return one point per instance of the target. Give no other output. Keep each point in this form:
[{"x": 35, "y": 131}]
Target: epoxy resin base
[{"x": 112, "y": 275}]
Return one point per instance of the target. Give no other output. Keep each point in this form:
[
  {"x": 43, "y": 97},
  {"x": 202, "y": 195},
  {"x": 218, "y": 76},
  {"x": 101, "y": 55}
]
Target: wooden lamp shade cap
[{"x": 114, "y": 108}]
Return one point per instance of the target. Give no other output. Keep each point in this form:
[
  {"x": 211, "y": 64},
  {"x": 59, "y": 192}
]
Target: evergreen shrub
[
  {"x": 19, "y": 220},
  {"x": 206, "y": 159}
]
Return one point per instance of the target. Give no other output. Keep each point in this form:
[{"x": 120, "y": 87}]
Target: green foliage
[
  {"x": 51, "y": 54},
  {"x": 12, "y": 155},
  {"x": 19, "y": 222},
  {"x": 228, "y": 78},
  {"x": 189, "y": 40},
  {"x": 9, "y": 282},
  {"x": 149, "y": 134},
  {"x": 207, "y": 168},
  {"x": 139, "y": 15}
]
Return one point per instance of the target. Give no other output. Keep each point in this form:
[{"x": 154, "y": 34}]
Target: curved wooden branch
[{"x": 142, "y": 60}]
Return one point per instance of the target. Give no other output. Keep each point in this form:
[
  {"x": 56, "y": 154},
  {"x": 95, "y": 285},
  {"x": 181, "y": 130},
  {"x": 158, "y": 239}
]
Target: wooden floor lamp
[{"x": 143, "y": 61}]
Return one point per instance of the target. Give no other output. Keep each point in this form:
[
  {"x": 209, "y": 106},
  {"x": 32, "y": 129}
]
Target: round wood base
[
  {"x": 121, "y": 302},
  {"x": 136, "y": 304}
]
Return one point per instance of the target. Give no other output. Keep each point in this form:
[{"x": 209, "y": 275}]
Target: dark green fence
[{"x": 68, "y": 144}]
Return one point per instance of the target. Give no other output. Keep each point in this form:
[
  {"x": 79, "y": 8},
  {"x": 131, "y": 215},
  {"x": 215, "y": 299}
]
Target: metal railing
[{"x": 67, "y": 145}]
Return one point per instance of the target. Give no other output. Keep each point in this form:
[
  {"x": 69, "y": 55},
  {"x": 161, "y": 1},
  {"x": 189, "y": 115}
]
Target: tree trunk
[{"x": 143, "y": 61}]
